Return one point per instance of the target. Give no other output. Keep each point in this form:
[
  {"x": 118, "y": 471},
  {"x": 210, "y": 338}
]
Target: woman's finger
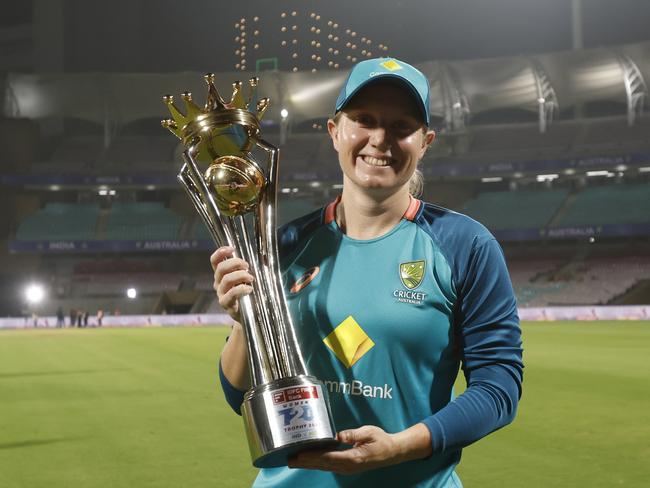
[
  {"x": 229, "y": 266},
  {"x": 220, "y": 255},
  {"x": 233, "y": 279},
  {"x": 228, "y": 300}
]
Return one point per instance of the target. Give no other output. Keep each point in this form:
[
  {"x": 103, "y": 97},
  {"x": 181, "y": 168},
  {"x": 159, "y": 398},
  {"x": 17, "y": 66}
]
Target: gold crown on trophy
[
  {"x": 221, "y": 128},
  {"x": 222, "y": 135}
]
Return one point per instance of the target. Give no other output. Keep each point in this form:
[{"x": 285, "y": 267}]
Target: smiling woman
[
  {"x": 389, "y": 296},
  {"x": 380, "y": 138}
]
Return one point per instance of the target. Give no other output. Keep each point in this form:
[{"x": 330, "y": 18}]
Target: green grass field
[{"x": 142, "y": 408}]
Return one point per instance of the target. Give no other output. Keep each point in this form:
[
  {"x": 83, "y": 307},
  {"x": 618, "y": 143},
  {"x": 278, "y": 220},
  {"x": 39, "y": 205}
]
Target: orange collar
[{"x": 411, "y": 211}]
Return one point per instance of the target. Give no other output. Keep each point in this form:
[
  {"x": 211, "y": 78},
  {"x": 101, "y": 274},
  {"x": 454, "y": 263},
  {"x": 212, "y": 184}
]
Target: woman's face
[{"x": 379, "y": 138}]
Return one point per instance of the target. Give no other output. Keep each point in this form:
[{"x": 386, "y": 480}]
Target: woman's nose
[{"x": 379, "y": 137}]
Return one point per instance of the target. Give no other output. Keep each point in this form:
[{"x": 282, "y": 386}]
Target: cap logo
[{"x": 391, "y": 65}]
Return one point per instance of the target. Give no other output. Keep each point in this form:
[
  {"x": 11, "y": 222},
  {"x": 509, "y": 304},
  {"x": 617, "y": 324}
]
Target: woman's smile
[{"x": 377, "y": 161}]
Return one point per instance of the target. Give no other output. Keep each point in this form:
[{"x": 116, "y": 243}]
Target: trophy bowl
[{"x": 237, "y": 184}]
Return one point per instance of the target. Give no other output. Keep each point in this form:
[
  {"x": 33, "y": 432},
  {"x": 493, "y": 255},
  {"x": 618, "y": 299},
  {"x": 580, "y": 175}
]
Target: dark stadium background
[
  {"x": 542, "y": 114},
  {"x": 541, "y": 111}
]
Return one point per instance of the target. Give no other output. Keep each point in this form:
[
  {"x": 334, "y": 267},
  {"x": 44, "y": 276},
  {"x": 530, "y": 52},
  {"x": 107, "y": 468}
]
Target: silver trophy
[{"x": 286, "y": 410}]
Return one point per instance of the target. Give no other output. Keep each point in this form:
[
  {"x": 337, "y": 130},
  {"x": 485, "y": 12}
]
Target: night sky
[{"x": 195, "y": 35}]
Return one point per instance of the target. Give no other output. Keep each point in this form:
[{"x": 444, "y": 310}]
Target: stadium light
[
  {"x": 34, "y": 293},
  {"x": 131, "y": 293},
  {"x": 598, "y": 173},
  {"x": 284, "y": 113},
  {"x": 491, "y": 179},
  {"x": 549, "y": 177}
]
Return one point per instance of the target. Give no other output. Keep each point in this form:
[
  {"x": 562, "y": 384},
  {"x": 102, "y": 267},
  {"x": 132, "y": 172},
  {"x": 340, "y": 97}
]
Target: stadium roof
[{"x": 460, "y": 89}]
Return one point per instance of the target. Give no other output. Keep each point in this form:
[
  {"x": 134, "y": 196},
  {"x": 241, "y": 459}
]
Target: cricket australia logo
[{"x": 411, "y": 275}]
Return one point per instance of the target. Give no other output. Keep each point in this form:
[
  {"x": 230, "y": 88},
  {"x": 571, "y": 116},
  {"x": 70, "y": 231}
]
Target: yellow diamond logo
[
  {"x": 391, "y": 65},
  {"x": 349, "y": 342}
]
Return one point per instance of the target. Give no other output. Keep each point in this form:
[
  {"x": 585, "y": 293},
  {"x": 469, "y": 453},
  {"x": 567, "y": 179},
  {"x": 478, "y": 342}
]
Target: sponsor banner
[
  {"x": 575, "y": 232},
  {"x": 571, "y": 232},
  {"x": 586, "y": 313},
  {"x": 63, "y": 246},
  {"x": 610, "y": 230},
  {"x": 505, "y": 235},
  {"x": 123, "y": 321},
  {"x": 160, "y": 179},
  {"x": 534, "y": 166}
]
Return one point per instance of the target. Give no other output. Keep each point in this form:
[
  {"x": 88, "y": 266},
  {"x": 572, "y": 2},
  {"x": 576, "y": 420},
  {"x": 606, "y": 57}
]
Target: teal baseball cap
[{"x": 371, "y": 70}]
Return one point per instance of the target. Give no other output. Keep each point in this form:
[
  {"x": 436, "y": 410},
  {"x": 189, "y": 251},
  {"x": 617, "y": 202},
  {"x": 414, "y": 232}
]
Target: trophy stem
[
  {"x": 260, "y": 361},
  {"x": 260, "y": 290},
  {"x": 284, "y": 352},
  {"x": 267, "y": 215},
  {"x": 223, "y": 233}
]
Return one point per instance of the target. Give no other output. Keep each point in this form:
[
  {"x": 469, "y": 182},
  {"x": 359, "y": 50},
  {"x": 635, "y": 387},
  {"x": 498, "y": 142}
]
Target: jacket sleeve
[
  {"x": 234, "y": 397},
  {"x": 490, "y": 336}
]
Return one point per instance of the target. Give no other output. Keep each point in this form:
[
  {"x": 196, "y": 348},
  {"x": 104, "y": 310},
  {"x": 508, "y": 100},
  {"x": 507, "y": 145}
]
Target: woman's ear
[
  {"x": 333, "y": 131},
  {"x": 428, "y": 139}
]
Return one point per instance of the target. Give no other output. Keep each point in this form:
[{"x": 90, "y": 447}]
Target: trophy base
[
  {"x": 285, "y": 417},
  {"x": 280, "y": 457}
]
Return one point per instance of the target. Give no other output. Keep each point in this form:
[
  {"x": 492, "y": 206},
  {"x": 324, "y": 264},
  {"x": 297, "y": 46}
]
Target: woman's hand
[
  {"x": 372, "y": 447},
  {"x": 231, "y": 280}
]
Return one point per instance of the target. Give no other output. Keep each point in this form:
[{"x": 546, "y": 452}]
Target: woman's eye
[
  {"x": 364, "y": 120},
  {"x": 403, "y": 126}
]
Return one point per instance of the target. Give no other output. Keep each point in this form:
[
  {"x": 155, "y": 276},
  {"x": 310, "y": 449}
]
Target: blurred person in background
[
  {"x": 60, "y": 317},
  {"x": 100, "y": 317},
  {"x": 428, "y": 288}
]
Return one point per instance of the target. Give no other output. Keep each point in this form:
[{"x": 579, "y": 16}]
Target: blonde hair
[{"x": 416, "y": 183}]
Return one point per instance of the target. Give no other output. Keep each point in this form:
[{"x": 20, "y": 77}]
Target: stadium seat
[
  {"x": 142, "y": 221},
  {"x": 60, "y": 221},
  {"x": 524, "y": 209},
  {"x": 610, "y": 204}
]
